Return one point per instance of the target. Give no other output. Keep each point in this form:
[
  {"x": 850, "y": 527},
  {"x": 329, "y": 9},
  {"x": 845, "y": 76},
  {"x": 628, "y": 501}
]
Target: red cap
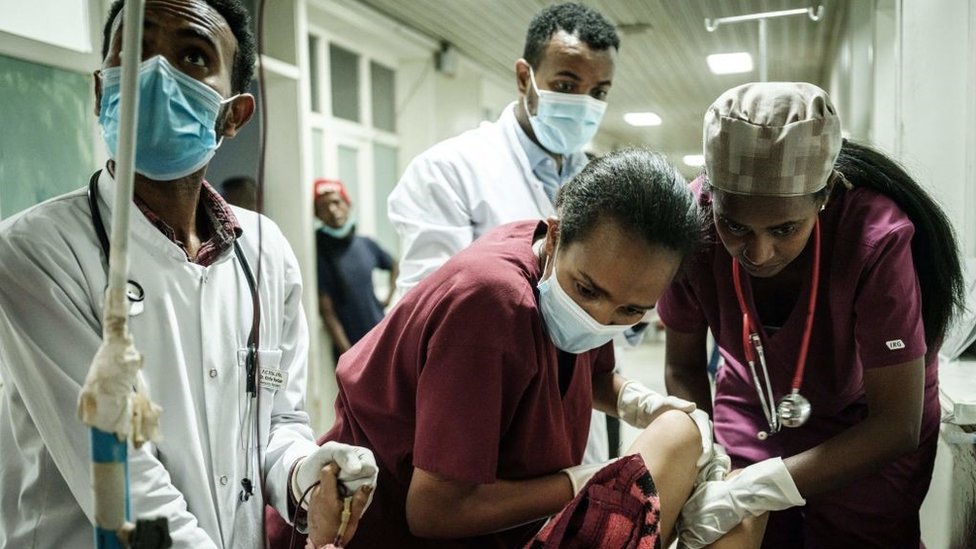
[{"x": 322, "y": 186}]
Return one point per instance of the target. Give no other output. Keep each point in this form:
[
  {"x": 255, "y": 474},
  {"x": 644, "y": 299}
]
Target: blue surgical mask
[
  {"x": 570, "y": 327},
  {"x": 564, "y": 122},
  {"x": 177, "y": 115},
  {"x": 339, "y": 232}
]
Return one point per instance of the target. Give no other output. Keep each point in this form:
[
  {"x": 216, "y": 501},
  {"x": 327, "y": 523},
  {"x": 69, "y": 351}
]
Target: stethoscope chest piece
[
  {"x": 793, "y": 410},
  {"x": 136, "y": 296}
]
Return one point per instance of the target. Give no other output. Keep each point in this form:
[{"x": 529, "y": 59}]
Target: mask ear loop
[
  {"x": 535, "y": 88},
  {"x": 222, "y": 120}
]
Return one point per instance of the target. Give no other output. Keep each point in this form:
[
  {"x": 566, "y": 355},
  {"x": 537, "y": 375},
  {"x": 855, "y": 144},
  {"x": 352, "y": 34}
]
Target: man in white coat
[
  {"x": 511, "y": 170},
  {"x": 194, "y": 260}
]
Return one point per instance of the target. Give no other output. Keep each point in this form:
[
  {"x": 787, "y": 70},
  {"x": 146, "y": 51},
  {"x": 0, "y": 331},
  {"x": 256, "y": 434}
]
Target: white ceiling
[{"x": 661, "y": 66}]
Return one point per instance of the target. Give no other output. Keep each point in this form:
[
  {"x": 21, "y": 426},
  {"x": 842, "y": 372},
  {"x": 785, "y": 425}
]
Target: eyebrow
[
  {"x": 569, "y": 74},
  {"x": 600, "y": 290},
  {"x": 188, "y": 32},
  {"x": 192, "y": 32},
  {"x": 777, "y": 226}
]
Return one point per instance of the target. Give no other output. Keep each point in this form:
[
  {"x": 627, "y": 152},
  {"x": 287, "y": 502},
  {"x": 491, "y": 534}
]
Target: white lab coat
[
  {"x": 194, "y": 324},
  {"x": 460, "y": 189}
]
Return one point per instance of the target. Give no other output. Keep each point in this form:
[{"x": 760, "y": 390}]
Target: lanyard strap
[{"x": 749, "y": 328}]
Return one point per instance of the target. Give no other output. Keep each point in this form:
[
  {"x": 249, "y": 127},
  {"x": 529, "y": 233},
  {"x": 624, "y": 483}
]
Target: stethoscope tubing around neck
[
  {"x": 103, "y": 241},
  {"x": 751, "y": 338},
  {"x": 251, "y": 360}
]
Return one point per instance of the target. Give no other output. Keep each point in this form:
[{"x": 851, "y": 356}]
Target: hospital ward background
[{"x": 352, "y": 90}]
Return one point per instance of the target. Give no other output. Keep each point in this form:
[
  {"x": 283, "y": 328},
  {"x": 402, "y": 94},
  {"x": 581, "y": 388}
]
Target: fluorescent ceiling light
[
  {"x": 729, "y": 63},
  {"x": 642, "y": 119},
  {"x": 694, "y": 160}
]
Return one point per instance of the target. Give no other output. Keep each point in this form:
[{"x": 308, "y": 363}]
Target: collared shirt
[
  {"x": 224, "y": 227},
  {"x": 544, "y": 165},
  {"x": 192, "y": 335}
]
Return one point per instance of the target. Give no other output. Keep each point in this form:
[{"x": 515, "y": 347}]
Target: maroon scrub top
[
  {"x": 868, "y": 315},
  {"x": 461, "y": 380}
]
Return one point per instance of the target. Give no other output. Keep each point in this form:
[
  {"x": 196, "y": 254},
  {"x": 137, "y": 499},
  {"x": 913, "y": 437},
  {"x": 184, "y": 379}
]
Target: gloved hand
[
  {"x": 717, "y": 506},
  {"x": 579, "y": 475},
  {"x": 638, "y": 405},
  {"x": 700, "y": 417},
  {"x": 716, "y": 468},
  {"x": 357, "y": 468}
]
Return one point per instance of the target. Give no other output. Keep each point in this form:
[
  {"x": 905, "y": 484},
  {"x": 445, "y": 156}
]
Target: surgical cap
[
  {"x": 771, "y": 139},
  {"x": 322, "y": 186}
]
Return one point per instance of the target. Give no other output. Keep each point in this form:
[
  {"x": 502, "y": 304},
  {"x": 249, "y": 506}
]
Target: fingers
[
  {"x": 325, "y": 507},
  {"x": 350, "y": 462},
  {"x": 329, "y": 482},
  {"x": 357, "y": 508}
]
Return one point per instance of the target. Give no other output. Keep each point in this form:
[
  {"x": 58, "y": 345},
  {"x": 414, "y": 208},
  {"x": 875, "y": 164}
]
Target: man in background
[
  {"x": 346, "y": 261},
  {"x": 511, "y": 170},
  {"x": 241, "y": 191}
]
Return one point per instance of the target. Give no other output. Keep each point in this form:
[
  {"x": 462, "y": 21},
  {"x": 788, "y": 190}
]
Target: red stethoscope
[{"x": 793, "y": 409}]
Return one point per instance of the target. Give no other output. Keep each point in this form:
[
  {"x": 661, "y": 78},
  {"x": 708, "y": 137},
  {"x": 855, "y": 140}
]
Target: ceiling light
[
  {"x": 729, "y": 63},
  {"x": 694, "y": 160},
  {"x": 642, "y": 119}
]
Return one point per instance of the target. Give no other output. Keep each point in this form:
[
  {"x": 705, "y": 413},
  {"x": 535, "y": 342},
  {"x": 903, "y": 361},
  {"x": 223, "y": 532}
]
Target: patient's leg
[{"x": 670, "y": 445}]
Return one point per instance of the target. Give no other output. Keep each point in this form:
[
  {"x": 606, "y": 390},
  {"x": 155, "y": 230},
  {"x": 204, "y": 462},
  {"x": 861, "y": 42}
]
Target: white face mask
[
  {"x": 570, "y": 327},
  {"x": 564, "y": 122}
]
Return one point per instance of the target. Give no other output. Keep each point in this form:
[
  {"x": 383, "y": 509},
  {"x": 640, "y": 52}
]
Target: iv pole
[
  {"x": 712, "y": 24},
  {"x": 113, "y": 400}
]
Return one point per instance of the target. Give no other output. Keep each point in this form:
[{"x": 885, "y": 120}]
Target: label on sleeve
[
  {"x": 273, "y": 378},
  {"x": 895, "y": 344}
]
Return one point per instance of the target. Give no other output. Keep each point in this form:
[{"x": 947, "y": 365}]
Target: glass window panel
[
  {"x": 46, "y": 148},
  {"x": 313, "y": 73},
  {"x": 318, "y": 152},
  {"x": 384, "y": 103},
  {"x": 385, "y": 172},
  {"x": 349, "y": 170},
  {"x": 345, "y": 83}
]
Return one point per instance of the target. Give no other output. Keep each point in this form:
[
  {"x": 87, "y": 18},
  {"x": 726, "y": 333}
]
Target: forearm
[
  {"x": 858, "y": 451},
  {"x": 394, "y": 273},
  {"x": 686, "y": 367},
  {"x": 894, "y": 395},
  {"x": 606, "y": 387},
  {"x": 690, "y": 383},
  {"x": 335, "y": 330},
  {"x": 486, "y": 508}
]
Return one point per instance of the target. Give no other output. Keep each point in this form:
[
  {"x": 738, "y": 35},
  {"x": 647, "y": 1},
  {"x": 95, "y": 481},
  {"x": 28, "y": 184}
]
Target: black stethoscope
[
  {"x": 137, "y": 296},
  {"x": 793, "y": 409}
]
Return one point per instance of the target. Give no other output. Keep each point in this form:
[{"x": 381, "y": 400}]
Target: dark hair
[
  {"x": 639, "y": 190},
  {"x": 934, "y": 248},
  {"x": 236, "y": 15},
  {"x": 585, "y": 22}
]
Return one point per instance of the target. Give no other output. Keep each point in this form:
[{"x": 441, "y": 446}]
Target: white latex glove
[
  {"x": 716, "y": 468},
  {"x": 638, "y": 405},
  {"x": 357, "y": 468},
  {"x": 581, "y": 474},
  {"x": 700, "y": 417},
  {"x": 717, "y": 506}
]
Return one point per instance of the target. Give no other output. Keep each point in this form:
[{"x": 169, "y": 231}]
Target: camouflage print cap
[{"x": 771, "y": 139}]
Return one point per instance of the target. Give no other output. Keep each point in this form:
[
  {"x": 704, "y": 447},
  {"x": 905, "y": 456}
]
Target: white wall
[
  {"x": 441, "y": 105},
  {"x": 902, "y": 80},
  {"x": 907, "y": 64},
  {"x": 935, "y": 108}
]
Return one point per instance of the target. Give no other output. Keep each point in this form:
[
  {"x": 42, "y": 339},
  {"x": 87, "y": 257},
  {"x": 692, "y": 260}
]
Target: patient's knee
[{"x": 673, "y": 433}]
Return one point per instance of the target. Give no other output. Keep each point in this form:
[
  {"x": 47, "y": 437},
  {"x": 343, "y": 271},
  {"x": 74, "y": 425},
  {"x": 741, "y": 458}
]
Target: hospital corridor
[{"x": 528, "y": 274}]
